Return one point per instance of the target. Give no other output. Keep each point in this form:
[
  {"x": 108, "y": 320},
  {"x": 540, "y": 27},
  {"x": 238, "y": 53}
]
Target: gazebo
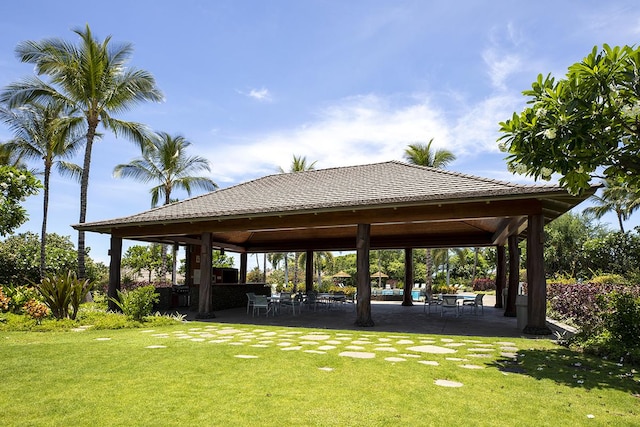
[{"x": 390, "y": 205}]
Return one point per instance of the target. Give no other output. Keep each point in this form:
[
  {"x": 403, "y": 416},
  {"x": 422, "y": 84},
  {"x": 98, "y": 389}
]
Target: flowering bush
[
  {"x": 36, "y": 309},
  {"x": 608, "y": 316},
  {"x": 4, "y": 301},
  {"x": 483, "y": 284}
]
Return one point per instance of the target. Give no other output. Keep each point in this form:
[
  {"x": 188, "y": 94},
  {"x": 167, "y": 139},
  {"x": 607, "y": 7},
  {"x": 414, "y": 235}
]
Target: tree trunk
[
  {"x": 45, "y": 213},
  {"x": 84, "y": 188}
]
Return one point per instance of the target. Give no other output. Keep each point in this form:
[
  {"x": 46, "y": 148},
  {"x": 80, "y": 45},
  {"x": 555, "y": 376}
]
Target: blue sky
[{"x": 251, "y": 83}]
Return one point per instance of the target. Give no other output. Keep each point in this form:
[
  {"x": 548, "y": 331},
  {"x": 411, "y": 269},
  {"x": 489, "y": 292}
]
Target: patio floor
[{"x": 388, "y": 316}]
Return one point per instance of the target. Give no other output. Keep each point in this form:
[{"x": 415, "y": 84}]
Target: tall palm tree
[
  {"x": 93, "y": 78},
  {"x": 423, "y": 155},
  {"x": 44, "y": 132},
  {"x": 617, "y": 197},
  {"x": 298, "y": 164},
  {"x": 164, "y": 161}
]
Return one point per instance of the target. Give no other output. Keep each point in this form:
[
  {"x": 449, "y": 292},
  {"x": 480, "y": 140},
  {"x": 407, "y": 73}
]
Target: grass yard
[{"x": 209, "y": 374}]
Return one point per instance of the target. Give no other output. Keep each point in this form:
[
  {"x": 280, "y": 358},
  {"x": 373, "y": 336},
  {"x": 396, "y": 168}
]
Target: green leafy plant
[
  {"x": 4, "y": 301},
  {"x": 63, "y": 292},
  {"x": 137, "y": 303}
]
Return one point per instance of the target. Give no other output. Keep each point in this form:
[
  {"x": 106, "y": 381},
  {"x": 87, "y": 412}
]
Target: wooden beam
[
  {"x": 308, "y": 273},
  {"x": 408, "y": 277},
  {"x": 204, "y": 295},
  {"x": 115, "y": 263},
  {"x": 363, "y": 281},
  {"x": 536, "y": 283},
  {"x": 508, "y": 227},
  {"x": 514, "y": 276},
  {"x": 501, "y": 274}
]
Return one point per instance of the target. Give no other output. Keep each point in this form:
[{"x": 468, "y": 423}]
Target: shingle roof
[{"x": 369, "y": 185}]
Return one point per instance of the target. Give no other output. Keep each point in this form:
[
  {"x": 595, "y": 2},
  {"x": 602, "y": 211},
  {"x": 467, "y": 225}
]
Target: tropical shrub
[
  {"x": 138, "y": 303},
  {"x": 64, "y": 291},
  {"x": 607, "y": 315},
  {"x": 4, "y": 301},
  {"x": 609, "y": 279},
  {"x": 18, "y": 296}
]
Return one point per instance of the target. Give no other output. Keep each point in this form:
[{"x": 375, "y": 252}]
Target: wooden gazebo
[{"x": 389, "y": 205}]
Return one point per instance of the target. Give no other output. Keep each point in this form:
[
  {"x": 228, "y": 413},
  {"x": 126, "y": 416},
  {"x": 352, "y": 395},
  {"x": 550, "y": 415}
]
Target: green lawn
[{"x": 207, "y": 374}]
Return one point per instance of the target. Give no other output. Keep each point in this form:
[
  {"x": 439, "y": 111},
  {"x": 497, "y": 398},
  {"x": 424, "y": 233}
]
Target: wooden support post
[
  {"x": 206, "y": 270},
  {"x": 408, "y": 277},
  {"x": 363, "y": 306},
  {"x": 115, "y": 251},
  {"x": 514, "y": 276},
  {"x": 243, "y": 268},
  {"x": 536, "y": 283},
  {"x": 501, "y": 274},
  {"x": 308, "y": 272}
]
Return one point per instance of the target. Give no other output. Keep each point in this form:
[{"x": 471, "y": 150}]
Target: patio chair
[
  {"x": 430, "y": 300},
  {"x": 477, "y": 302},
  {"x": 287, "y": 301},
  {"x": 261, "y": 302},
  {"x": 250, "y": 299},
  {"x": 449, "y": 302}
]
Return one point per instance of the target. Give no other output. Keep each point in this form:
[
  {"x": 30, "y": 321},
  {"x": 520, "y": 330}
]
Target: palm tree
[
  {"x": 616, "y": 197},
  {"x": 44, "y": 132},
  {"x": 10, "y": 157},
  {"x": 165, "y": 161},
  {"x": 298, "y": 164},
  {"x": 93, "y": 78},
  {"x": 423, "y": 155}
]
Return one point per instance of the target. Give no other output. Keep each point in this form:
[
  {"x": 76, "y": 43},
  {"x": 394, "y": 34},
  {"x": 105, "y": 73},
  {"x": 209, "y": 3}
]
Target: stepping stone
[
  {"x": 326, "y": 369},
  {"x": 384, "y": 339},
  {"x": 245, "y": 356},
  {"x": 447, "y": 383},
  {"x": 315, "y": 352},
  {"x": 236, "y": 343},
  {"x": 446, "y": 340},
  {"x": 389, "y": 349},
  {"x": 455, "y": 344},
  {"x": 333, "y": 342},
  {"x": 315, "y": 337},
  {"x": 472, "y": 341},
  {"x": 269, "y": 334},
  {"x": 103, "y": 339},
  {"x": 509, "y": 355},
  {"x": 404, "y": 342},
  {"x": 260, "y": 346},
  {"x": 309, "y": 342},
  {"x": 509, "y": 349},
  {"x": 480, "y": 356},
  {"x": 156, "y": 346},
  {"x": 456, "y": 359},
  {"x": 395, "y": 359},
  {"x": 354, "y": 347},
  {"x": 431, "y": 349},
  {"x": 147, "y": 331},
  {"x": 358, "y": 354},
  {"x": 506, "y": 343},
  {"x": 197, "y": 339},
  {"x": 297, "y": 347},
  {"x": 429, "y": 362},
  {"x": 472, "y": 366},
  {"x": 218, "y": 341},
  {"x": 361, "y": 342},
  {"x": 327, "y": 347},
  {"x": 285, "y": 344}
]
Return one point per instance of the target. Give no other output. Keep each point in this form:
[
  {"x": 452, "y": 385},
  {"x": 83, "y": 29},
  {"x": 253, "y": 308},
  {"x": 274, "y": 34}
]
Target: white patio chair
[
  {"x": 449, "y": 302},
  {"x": 430, "y": 300},
  {"x": 261, "y": 302},
  {"x": 250, "y": 298},
  {"x": 477, "y": 302}
]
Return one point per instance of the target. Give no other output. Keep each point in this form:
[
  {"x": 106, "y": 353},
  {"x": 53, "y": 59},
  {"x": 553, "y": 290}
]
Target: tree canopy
[
  {"x": 583, "y": 126},
  {"x": 15, "y": 186}
]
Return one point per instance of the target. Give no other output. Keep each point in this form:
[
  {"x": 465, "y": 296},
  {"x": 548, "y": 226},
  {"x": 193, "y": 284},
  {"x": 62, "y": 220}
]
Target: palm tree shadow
[{"x": 573, "y": 369}]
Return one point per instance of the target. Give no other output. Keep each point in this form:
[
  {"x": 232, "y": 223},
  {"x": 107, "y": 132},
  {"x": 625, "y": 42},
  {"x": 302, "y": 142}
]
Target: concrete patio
[{"x": 388, "y": 316}]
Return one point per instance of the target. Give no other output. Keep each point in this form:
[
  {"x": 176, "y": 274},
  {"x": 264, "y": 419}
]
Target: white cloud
[
  {"x": 364, "y": 129},
  {"x": 261, "y": 94}
]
